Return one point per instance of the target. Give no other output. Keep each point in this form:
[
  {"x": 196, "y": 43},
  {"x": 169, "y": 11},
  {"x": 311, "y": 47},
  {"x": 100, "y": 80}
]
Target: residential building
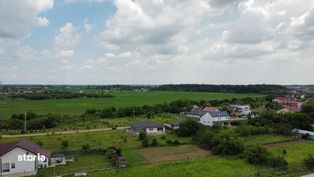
[
  {"x": 209, "y": 118},
  {"x": 288, "y": 109},
  {"x": 22, "y": 157},
  {"x": 210, "y": 109},
  {"x": 174, "y": 124},
  {"x": 147, "y": 127},
  {"x": 240, "y": 110}
]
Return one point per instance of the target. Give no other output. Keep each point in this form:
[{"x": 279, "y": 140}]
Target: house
[
  {"x": 57, "y": 159},
  {"x": 209, "y": 118},
  {"x": 304, "y": 132},
  {"x": 22, "y": 157},
  {"x": 240, "y": 110},
  {"x": 288, "y": 101},
  {"x": 210, "y": 109},
  {"x": 174, "y": 124},
  {"x": 147, "y": 127},
  {"x": 288, "y": 109}
]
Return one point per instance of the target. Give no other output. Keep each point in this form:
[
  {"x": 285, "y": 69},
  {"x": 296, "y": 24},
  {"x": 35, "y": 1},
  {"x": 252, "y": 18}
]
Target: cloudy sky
[{"x": 157, "y": 41}]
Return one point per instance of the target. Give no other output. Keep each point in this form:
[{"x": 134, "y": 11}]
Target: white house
[
  {"x": 219, "y": 117},
  {"x": 22, "y": 157},
  {"x": 147, "y": 127},
  {"x": 209, "y": 118}
]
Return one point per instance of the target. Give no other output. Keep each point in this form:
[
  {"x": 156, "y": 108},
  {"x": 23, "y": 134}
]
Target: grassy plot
[
  {"x": 266, "y": 139},
  {"x": 296, "y": 153},
  {"x": 173, "y": 153},
  {"x": 120, "y": 122},
  {"x": 213, "y": 166},
  {"x": 121, "y": 99},
  {"x": 100, "y": 139},
  {"x": 81, "y": 163}
]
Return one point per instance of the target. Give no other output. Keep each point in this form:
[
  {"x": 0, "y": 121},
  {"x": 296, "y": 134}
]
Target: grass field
[
  {"x": 99, "y": 139},
  {"x": 296, "y": 153},
  {"x": 213, "y": 166},
  {"x": 266, "y": 139},
  {"x": 121, "y": 99},
  {"x": 81, "y": 163}
]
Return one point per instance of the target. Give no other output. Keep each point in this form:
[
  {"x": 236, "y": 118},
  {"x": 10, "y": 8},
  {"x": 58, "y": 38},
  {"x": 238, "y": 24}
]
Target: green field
[
  {"x": 296, "y": 153},
  {"x": 121, "y": 99}
]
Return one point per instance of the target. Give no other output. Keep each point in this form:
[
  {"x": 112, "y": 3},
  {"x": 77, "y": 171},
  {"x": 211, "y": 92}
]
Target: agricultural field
[{"x": 121, "y": 99}]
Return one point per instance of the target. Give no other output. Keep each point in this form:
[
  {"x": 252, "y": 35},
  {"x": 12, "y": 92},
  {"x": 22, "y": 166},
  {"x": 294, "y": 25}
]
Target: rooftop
[{"x": 146, "y": 124}]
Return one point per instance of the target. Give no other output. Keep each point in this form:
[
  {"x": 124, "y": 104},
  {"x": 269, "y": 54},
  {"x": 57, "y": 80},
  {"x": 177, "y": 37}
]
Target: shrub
[
  {"x": 145, "y": 143},
  {"x": 141, "y": 136},
  {"x": 205, "y": 137},
  {"x": 86, "y": 148},
  {"x": 227, "y": 144},
  {"x": 38, "y": 142},
  {"x": 309, "y": 161},
  {"x": 154, "y": 142},
  {"x": 188, "y": 127},
  {"x": 64, "y": 144},
  {"x": 257, "y": 155},
  {"x": 176, "y": 142},
  {"x": 278, "y": 162}
]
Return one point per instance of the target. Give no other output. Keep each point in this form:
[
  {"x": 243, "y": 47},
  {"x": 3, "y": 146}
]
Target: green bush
[
  {"x": 257, "y": 155},
  {"x": 309, "y": 161},
  {"x": 145, "y": 143},
  {"x": 188, "y": 127},
  {"x": 278, "y": 162},
  {"x": 141, "y": 136},
  {"x": 154, "y": 142},
  {"x": 226, "y": 143}
]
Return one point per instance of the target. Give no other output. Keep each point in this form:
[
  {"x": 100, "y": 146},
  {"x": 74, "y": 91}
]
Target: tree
[
  {"x": 257, "y": 155},
  {"x": 145, "y": 143},
  {"x": 205, "y": 137},
  {"x": 154, "y": 142},
  {"x": 226, "y": 143},
  {"x": 64, "y": 144},
  {"x": 309, "y": 161},
  {"x": 142, "y": 136},
  {"x": 188, "y": 127}
]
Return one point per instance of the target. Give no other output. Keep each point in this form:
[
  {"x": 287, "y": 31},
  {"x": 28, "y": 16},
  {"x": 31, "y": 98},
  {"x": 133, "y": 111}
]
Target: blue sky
[{"x": 156, "y": 41}]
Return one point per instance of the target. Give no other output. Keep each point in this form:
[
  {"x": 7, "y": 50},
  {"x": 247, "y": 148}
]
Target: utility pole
[{"x": 25, "y": 115}]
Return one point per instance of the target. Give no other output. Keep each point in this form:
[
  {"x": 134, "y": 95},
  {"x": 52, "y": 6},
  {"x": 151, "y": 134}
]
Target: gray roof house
[
  {"x": 174, "y": 124},
  {"x": 209, "y": 118},
  {"x": 147, "y": 127}
]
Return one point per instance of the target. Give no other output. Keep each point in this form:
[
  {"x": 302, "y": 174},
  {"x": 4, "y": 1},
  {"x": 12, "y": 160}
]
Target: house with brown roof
[{"x": 22, "y": 157}]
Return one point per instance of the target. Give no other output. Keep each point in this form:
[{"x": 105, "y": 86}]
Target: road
[{"x": 62, "y": 132}]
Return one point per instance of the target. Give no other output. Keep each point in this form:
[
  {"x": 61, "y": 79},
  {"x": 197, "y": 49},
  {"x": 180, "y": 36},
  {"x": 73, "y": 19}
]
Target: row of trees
[
  {"x": 223, "y": 88},
  {"x": 58, "y": 95}
]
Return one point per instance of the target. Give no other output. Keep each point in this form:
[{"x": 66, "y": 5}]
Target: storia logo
[{"x": 31, "y": 158}]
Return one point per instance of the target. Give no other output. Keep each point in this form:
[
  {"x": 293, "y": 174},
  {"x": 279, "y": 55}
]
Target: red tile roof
[
  {"x": 210, "y": 109},
  {"x": 24, "y": 144}
]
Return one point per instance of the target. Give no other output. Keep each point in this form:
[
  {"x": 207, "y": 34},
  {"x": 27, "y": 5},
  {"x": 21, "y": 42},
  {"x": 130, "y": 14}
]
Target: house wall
[
  {"x": 208, "y": 120},
  {"x": 155, "y": 130},
  {"x": 20, "y": 166}
]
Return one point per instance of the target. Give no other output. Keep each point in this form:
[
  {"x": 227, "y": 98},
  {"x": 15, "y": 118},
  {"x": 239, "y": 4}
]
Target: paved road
[{"x": 62, "y": 132}]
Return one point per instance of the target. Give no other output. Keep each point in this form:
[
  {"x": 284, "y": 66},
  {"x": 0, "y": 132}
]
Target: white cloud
[
  {"x": 42, "y": 21},
  {"x": 65, "y": 41},
  {"x": 87, "y": 26}
]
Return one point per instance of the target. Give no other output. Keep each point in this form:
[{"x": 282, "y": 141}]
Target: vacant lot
[
  {"x": 121, "y": 99},
  {"x": 183, "y": 152}
]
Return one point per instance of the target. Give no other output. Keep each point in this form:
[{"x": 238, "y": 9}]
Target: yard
[{"x": 80, "y": 164}]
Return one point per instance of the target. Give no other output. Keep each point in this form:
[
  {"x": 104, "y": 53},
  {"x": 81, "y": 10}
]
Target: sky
[{"x": 157, "y": 41}]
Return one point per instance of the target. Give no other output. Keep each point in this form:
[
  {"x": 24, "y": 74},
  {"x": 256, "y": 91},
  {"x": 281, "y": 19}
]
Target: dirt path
[
  {"x": 62, "y": 132},
  {"x": 285, "y": 143}
]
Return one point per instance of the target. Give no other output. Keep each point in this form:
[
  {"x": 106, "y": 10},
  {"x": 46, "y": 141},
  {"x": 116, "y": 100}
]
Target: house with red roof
[{"x": 22, "y": 157}]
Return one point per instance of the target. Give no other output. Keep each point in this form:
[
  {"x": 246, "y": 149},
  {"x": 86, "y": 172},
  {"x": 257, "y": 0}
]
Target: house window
[
  {"x": 12, "y": 165},
  {"x": 159, "y": 129},
  {"x": 151, "y": 129},
  {"x": 5, "y": 167}
]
